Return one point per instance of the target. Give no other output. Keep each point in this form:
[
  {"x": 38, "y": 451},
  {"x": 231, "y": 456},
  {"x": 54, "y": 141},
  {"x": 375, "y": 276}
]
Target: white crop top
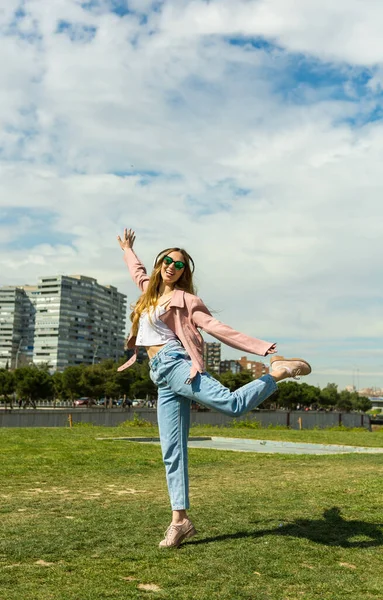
[{"x": 153, "y": 332}]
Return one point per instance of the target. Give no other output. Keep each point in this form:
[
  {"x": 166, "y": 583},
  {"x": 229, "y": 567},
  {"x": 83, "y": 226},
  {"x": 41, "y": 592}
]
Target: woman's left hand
[{"x": 272, "y": 349}]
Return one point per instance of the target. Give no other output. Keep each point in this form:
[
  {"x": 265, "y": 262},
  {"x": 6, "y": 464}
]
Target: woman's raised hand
[
  {"x": 127, "y": 240},
  {"x": 272, "y": 349}
]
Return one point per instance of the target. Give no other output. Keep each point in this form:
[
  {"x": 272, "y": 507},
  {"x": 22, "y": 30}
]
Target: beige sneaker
[
  {"x": 294, "y": 366},
  {"x": 175, "y": 534}
]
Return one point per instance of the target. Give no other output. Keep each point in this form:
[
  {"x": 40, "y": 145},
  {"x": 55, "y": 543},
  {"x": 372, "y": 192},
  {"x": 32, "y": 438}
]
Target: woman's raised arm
[
  {"x": 205, "y": 320},
  {"x": 136, "y": 268}
]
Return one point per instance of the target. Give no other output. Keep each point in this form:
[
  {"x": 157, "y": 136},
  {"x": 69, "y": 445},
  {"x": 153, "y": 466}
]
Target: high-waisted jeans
[{"x": 169, "y": 370}]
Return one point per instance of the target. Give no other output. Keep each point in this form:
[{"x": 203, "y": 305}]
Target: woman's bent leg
[
  {"x": 210, "y": 392},
  {"x": 173, "y": 414}
]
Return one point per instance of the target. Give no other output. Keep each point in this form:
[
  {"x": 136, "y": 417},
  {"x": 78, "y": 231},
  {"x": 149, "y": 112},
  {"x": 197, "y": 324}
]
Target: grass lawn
[{"x": 81, "y": 519}]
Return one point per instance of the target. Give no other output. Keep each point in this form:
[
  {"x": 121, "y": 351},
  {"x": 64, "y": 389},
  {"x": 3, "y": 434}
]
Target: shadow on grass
[{"x": 332, "y": 530}]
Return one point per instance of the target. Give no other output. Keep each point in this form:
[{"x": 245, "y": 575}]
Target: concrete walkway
[{"x": 265, "y": 446}]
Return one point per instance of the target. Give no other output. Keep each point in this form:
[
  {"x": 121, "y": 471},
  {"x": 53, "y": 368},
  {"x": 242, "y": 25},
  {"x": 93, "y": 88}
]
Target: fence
[{"x": 60, "y": 417}]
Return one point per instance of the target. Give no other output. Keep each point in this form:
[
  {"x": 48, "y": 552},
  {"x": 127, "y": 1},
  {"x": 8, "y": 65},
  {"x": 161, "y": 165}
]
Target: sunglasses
[{"x": 177, "y": 263}]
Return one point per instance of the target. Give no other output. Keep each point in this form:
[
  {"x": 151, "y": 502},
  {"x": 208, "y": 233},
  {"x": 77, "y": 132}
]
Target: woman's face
[{"x": 170, "y": 275}]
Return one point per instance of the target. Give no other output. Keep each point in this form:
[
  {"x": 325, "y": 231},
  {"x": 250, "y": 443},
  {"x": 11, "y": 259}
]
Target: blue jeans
[{"x": 169, "y": 370}]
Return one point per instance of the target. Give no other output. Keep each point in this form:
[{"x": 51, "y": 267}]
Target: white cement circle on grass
[
  {"x": 273, "y": 446},
  {"x": 265, "y": 446}
]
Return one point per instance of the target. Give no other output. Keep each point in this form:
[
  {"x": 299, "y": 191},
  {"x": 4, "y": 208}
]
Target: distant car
[
  {"x": 101, "y": 402},
  {"x": 124, "y": 402},
  {"x": 84, "y": 401}
]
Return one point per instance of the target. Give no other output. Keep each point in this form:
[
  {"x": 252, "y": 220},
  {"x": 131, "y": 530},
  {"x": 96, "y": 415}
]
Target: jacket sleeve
[
  {"x": 202, "y": 318},
  {"x": 136, "y": 269}
]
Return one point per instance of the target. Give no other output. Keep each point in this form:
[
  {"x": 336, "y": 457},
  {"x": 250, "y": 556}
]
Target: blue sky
[
  {"x": 249, "y": 132},
  {"x": 40, "y": 225}
]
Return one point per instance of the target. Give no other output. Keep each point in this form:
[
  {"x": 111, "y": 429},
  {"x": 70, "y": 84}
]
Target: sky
[{"x": 249, "y": 132}]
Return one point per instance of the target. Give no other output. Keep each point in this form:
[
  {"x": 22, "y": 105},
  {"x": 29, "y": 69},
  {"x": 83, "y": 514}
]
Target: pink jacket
[{"x": 187, "y": 313}]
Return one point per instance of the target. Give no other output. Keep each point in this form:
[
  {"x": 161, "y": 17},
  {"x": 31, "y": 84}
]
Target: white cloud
[
  {"x": 278, "y": 200},
  {"x": 342, "y": 31}
]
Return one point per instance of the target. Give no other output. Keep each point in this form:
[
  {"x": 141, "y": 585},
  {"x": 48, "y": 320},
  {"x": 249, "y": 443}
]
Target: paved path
[{"x": 265, "y": 446}]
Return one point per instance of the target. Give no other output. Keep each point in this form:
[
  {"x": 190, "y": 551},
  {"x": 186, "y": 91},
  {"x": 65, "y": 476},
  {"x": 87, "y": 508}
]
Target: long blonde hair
[{"x": 150, "y": 297}]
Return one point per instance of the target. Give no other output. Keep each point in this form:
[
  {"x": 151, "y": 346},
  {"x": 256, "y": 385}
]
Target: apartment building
[
  {"x": 212, "y": 356},
  {"x": 78, "y": 321},
  {"x": 17, "y": 318},
  {"x": 63, "y": 321},
  {"x": 230, "y": 365},
  {"x": 256, "y": 368}
]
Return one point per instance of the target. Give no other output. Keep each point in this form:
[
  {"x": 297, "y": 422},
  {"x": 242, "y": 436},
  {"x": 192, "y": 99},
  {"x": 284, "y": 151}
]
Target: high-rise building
[
  {"x": 31, "y": 293},
  {"x": 212, "y": 356},
  {"x": 78, "y": 321},
  {"x": 63, "y": 321},
  {"x": 10, "y": 324},
  {"x": 17, "y": 316}
]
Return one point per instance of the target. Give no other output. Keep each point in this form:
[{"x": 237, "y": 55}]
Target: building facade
[
  {"x": 63, "y": 321},
  {"x": 230, "y": 365},
  {"x": 212, "y": 356},
  {"x": 17, "y": 319},
  {"x": 256, "y": 368}
]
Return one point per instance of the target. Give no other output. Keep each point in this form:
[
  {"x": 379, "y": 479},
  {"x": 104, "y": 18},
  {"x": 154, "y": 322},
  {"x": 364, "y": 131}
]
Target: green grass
[
  {"x": 336, "y": 435},
  {"x": 275, "y": 527}
]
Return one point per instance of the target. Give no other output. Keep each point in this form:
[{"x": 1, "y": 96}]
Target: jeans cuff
[{"x": 271, "y": 379}]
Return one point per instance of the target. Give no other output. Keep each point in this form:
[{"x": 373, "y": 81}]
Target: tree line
[
  {"x": 292, "y": 395},
  {"x": 35, "y": 382}
]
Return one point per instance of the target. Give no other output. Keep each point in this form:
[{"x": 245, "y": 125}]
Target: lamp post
[
  {"x": 355, "y": 378},
  {"x": 95, "y": 353},
  {"x": 17, "y": 353}
]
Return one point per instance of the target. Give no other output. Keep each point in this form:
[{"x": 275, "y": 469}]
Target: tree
[
  {"x": 329, "y": 395},
  {"x": 33, "y": 383},
  {"x": 310, "y": 395},
  {"x": 344, "y": 402},
  {"x": 141, "y": 385},
  {"x": 361, "y": 402},
  {"x": 92, "y": 381},
  {"x": 112, "y": 389},
  {"x": 289, "y": 394},
  {"x": 112, "y": 382},
  {"x": 71, "y": 380},
  {"x": 59, "y": 390},
  {"x": 143, "y": 388},
  {"x": 125, "y": 379},
  {"x": 7, "y": 385}
]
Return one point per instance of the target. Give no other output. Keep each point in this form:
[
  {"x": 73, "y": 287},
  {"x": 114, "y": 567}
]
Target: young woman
[{"x": 166, "y": 320}]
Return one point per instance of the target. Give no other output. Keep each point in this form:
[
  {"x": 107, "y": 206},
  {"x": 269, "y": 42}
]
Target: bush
[
  {"x": 249, "y": 423},
  {"x": 344, "y": 428},
  {"x": 136, "y": 422}
]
